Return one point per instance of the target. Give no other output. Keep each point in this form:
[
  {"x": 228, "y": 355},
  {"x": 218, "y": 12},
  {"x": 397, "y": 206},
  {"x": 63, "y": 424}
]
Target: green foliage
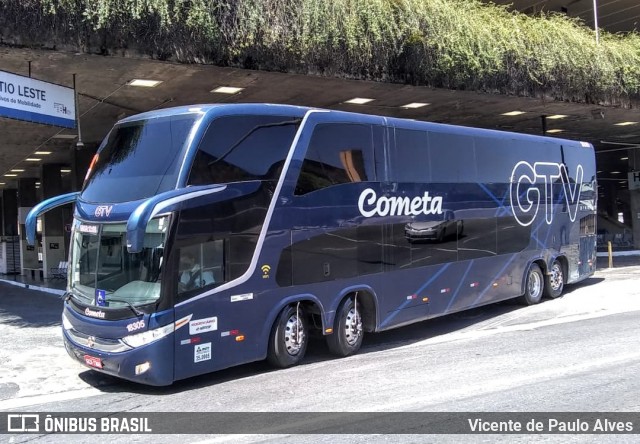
[{"x": 462, "y": 44}]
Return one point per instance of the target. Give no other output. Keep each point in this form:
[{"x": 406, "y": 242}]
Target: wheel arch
[
  {"x": 564, "y": 263},
  {"x": 540, "y": 262},
  {"x": 308, "y": 301},
  {"x": 367, "y": 299}
]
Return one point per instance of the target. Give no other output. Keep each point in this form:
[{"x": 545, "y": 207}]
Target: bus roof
[
  {"x": 300, "y": 111},
  {"x": 235, "y": 108}
]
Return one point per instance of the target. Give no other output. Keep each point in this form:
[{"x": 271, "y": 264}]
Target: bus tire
[
  {"x": 289, "y": 338},
  {"x": 347, "y": 335},
  {"x": 554, "y": 281},
  {"x": 534, "y": 286}
]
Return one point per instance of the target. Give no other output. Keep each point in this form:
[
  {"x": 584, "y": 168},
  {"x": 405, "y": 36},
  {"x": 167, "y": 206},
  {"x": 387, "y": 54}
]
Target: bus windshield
[
  {"x": 139, "y": 159},
  {"x": 105, "y": 274}
]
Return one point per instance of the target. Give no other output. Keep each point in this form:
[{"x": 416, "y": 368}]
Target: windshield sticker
[
  {"x": 91, "y": 229},
  {"x": 371, "y": 205},
  {"x": 203, "y": 325},
  {"x": 202, "y": 352},
  {"x": 182, "y": 322},
  {"x": 101, "y": 298}
]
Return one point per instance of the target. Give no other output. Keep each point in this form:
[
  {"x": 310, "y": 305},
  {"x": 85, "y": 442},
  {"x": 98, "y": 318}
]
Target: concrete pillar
[
  {"x": 10, "y": 246},
  {"x": 634, "y": 199},
  {"x": 27, "y": 199},
  {"x": 53, "y": 221},
  {"x": 610, "y": 205}
]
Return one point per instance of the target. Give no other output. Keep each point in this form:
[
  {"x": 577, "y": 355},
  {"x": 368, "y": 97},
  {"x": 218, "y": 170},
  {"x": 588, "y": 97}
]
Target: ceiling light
[
  {"x": 616, "y": 172},
  {"x": 144, "y": 83},
  {"x": 42, "y": 153},
  {"x": 227, "y": 90},
  {"x": 624, "y": 158},
  {"x": 32, "y": 159},
  {"x": 414, "y": 105},
  {"x": 11, "y": 175},
  {"x": 2, "y": 183},
  {"x": 17, "y": 170},
  {"x": 554, "y": 131},
  {"x": 65, "y": 136},
  {"x": 625, "y": 123},
  {"x": 359, "y": 101},
  {"x": 513, "y": 113},
  {"x": 622, "y": 181},
  {"x": 557, "y": 116},
  {"x": 65, "y": 170},
  {"x": 37, "y": 183}
]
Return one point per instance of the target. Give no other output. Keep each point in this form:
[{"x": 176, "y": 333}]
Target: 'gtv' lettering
[{"x": 525, "y": 195}]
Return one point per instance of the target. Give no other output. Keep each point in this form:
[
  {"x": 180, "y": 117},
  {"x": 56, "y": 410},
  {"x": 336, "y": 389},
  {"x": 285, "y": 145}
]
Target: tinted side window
[
  {"x": 496, "y": 158},
  {"x": 451, "y": 158},
  {"x": 239, "y": 148},
  {"x": 338, "y": 153},
  {"x": 410, "y": 159}
]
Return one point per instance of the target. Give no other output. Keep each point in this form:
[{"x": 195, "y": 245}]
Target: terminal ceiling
[{"x": 106, "y": 96}]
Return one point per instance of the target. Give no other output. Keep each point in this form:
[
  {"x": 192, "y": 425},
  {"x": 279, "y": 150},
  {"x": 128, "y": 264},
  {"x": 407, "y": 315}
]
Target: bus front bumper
[{"x": 150, "y": 364}]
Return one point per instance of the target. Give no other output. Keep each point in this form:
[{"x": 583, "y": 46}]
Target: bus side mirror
[{"x": 43, "y": 207}]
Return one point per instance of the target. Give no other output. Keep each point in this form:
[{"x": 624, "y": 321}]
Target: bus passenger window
[
  {"x": 241, "y": 148},
  {"x": 410, "y": 159},
  {"x": 337, "y": 154}
]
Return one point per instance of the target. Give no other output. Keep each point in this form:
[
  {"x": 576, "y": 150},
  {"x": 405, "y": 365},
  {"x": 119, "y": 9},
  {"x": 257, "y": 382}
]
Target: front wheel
[
  {"x": 534, "y": 286},
  {"x": 554, "y": 282},
  {"x": 289, "y": 338},
  {"x": 346, "y": 338}
]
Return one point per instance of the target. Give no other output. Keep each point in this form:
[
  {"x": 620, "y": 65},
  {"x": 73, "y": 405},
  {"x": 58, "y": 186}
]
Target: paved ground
[{"x": 576, "y": 353}]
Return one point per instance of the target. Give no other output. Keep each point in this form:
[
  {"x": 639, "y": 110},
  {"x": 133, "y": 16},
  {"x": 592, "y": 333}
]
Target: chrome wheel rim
[
  {"x": 353, "y": 327},
  {"x": 535, "y": 285},
  {"x": 294, "y": 336},
  {"x": 556, "y": 278}
]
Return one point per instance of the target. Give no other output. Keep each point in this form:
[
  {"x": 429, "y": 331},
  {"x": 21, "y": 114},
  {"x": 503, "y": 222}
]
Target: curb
[{"x": 34, "y": 287}]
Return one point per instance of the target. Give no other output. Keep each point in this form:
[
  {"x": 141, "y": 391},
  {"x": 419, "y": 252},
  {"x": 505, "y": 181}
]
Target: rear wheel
[
  {"x": 554, "y": 282},
  {"x": 347, "y": 335},
  {"x": 534, "y": 286},
  {"x": 289, "y": 338}
]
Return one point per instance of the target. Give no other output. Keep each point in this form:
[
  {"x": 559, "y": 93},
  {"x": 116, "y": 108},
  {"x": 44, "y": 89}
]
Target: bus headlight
[
  {"x": 65, "y": 322},
  {"x": 148, "y": 337}
]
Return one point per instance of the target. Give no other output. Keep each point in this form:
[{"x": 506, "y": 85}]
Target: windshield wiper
[{"x": 129, "y": 304}]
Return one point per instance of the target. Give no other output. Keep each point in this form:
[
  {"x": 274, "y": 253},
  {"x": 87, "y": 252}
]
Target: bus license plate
[{"x": 93, "y": 361}]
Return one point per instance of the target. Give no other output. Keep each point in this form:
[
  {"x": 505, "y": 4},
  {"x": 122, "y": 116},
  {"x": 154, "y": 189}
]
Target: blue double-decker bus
[{"x": 214, "y": 235}]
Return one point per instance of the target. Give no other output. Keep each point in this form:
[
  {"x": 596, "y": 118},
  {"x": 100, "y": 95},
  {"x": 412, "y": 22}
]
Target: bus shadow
[
  {"x": 318, "y": 351},
  {"x": 25, "y": 308}
]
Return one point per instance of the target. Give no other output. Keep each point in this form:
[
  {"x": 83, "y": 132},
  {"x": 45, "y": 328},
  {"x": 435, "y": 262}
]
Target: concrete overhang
[{"x": 106, "y": 96}]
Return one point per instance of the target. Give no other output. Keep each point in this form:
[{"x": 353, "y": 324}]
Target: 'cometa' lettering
[{"x": 371, "y": 205}]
